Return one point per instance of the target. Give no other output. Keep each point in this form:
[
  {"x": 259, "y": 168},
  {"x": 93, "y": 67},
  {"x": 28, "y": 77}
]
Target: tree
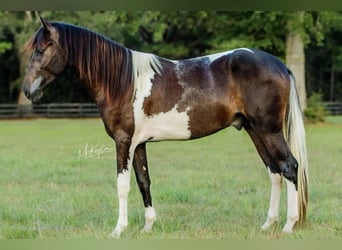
[
  {"x": 289, "y": 35},
  {"x": 9, "y": 61},
  {"x": 280, "y": 33},
  {"x": 324, "y": 57},
  {"x": 182, "y": 34},
  {"x": 295, "y": 56},
  {"x": 5, "y": 46}
]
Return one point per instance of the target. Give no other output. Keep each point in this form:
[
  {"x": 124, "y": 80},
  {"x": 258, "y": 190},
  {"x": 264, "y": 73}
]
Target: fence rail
[
  {"x": 53, "y": 110},
  {"x": 81, "y": 110},
  {"x": 334, "y": 108}
]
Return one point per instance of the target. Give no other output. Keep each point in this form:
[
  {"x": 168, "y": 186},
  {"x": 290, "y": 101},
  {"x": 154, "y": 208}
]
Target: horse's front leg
[
  {"x": 124, "y": 166},
  {"x": 143, "y": 179}
]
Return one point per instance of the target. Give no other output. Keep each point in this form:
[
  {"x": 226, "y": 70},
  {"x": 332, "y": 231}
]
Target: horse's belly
[{"x": 209, "y": 118}]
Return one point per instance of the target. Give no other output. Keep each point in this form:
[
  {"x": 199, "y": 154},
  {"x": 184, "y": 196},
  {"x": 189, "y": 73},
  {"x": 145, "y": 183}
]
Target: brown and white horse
[{"x": 142, "y": 97}]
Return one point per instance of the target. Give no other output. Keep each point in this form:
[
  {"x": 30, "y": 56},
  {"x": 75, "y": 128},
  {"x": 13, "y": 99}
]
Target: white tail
[{"x": 295, "y": 133}]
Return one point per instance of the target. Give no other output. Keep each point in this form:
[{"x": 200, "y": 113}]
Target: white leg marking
[
  {"x": 150, "y": 217},
  {"x": 273, "y": 211},
  {"x": 292, "y": 207},
  {"x": 123, "y": 185}
]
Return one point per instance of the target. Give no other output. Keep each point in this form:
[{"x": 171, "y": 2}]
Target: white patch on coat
[
  {"x": 170, "y": 125},
  {"x": 143, "y": 73},
  {"x": 143, "y": 65},
  {"x": 213, "y": 57}
]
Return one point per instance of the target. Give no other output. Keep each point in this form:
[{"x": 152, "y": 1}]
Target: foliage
[
  {"x": 9, "y": 63},
  {"x": 259, "y": 29},
  {"x": 5, "y": 46},
  {"x": 315, "y": 111},
  {"x": 324, "y": 59}
]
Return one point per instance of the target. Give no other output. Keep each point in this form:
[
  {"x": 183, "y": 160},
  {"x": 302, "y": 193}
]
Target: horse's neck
[{"x": 112, "y": 78}]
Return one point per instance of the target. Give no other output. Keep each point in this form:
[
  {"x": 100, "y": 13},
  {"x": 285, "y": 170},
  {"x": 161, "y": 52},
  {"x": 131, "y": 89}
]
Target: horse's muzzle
[
  {"x": 26, "y": 91},
  {"x": 34, "y": 91}
]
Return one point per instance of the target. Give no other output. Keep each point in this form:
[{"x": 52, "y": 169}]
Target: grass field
[{"x": 214, "y": 188}]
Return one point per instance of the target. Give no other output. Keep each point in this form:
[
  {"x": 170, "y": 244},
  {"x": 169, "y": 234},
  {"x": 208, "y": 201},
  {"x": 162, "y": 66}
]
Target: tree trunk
[
  {"x": 295, "y": 59},
  {"x": 332, "y": 80},
  {"x": 24, "y": 58},
  {"x": 28, "y": 16}
]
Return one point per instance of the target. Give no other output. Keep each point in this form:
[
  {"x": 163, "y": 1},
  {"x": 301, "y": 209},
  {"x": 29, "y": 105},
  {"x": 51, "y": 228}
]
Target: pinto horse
[{"x": 142, "y": 97}]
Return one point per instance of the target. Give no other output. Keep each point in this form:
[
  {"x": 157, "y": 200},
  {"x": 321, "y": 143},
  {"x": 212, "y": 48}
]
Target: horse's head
[{"x": 47, "y": 61}]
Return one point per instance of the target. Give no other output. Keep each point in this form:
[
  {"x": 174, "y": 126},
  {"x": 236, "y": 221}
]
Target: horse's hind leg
[
  {"x": 143, "y": 180},
  {"x": 280, "y": 160},
  {"x": 276, "y": 180},
  {"x": 287, "y": 165},
  {"x": 273, "y": 211},
  {"x": 292, "y": 207}
]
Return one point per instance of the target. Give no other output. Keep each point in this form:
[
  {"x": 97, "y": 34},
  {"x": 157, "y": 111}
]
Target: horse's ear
[
  {"x": 45, "y": 24},
  {"x": 49, "y": 30}
]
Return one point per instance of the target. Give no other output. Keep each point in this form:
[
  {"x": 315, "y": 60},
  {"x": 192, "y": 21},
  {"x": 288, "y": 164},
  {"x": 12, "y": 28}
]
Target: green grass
[{"x": 215, "y": 187}]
